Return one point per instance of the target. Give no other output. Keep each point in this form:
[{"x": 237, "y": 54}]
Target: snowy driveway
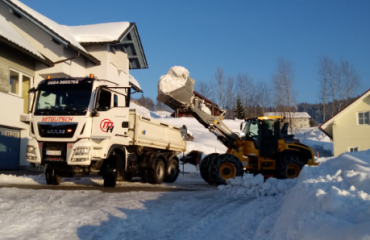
[{"x": 82, "y": 214}]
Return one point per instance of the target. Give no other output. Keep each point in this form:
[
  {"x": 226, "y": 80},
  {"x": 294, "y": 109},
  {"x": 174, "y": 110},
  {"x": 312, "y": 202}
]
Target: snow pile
[
  {"x": 255, "y": 186},
  {"x": 314, "y": 138},
  {"x": 162, "y": 114},
  {"x": 174, "y": 79},
  {"x": 143, "y": 111},
  {"x": 331, "y": 201},
  {"x": 26, "y": 179},
  {"x": 204, "y": 108}
]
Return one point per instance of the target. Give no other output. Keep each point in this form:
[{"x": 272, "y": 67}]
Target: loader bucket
[{"x": 178, "y": 98}]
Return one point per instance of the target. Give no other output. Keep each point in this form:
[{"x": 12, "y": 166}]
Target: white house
[
  {"x": 33, "y": 46},
  {"x": 350, "y": 128}
]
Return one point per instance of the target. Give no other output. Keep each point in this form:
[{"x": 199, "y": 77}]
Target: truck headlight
[
  {"x": 31, "y": 149},
  {"x": 82, "y": 151}
]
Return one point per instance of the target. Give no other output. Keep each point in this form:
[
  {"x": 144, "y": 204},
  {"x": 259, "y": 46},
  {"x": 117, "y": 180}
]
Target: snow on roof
[
  {"x": 8, "y": 32},
  {"x": 293, "y": 114},
  {"x": 134, "y": 82},
  {"x": 104, "y": 32},
  {"x": 61, "y": 30}
]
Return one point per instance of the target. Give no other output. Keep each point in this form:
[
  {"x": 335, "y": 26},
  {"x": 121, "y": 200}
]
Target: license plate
[{"x": 53, "y": 152}]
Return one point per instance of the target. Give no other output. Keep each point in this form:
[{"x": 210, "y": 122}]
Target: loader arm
[
  {"x": 213, "y": 123},
  {"x": 184, "y": 98}
]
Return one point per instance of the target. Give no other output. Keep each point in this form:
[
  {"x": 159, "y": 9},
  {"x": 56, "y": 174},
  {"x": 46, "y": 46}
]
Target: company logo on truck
[
  {"x": 106, "y": 125},
  {"x": 57, "y": 119}
]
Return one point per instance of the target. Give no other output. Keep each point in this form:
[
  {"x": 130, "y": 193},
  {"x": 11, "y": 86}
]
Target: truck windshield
[{"x": 63, "y": 97}]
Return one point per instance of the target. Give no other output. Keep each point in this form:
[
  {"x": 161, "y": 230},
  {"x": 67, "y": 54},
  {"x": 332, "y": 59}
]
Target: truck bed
[{"x": 149, "y": 132}]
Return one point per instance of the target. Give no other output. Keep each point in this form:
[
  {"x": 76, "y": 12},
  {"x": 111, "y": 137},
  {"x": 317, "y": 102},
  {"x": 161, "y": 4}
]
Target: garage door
[{"x": 9, "y": 148}]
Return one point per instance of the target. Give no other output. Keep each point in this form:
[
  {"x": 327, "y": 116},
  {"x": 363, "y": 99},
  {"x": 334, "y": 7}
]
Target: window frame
[
  {"x": 358, "y": 118},
  {"x": 354, "y": 149},
  {"x": 20, "y": 81}
]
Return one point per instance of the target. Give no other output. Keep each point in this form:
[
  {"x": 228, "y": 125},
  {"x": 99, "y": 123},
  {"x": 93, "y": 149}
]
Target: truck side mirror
[{"x": 31, "y": 98}]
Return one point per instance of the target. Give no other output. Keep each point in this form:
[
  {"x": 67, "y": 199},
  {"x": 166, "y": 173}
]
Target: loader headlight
[
  {"x": 31, "y": 149},
  {"x": 82, "y": 151}
]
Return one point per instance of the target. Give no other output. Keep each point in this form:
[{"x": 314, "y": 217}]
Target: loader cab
[{"x": 264, "y": 133}]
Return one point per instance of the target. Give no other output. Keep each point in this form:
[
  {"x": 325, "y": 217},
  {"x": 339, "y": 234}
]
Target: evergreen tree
[{"x": 239, "y": 109}]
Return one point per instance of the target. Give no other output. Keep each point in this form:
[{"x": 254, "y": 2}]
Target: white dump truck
[{"x": 84, "y": 125}]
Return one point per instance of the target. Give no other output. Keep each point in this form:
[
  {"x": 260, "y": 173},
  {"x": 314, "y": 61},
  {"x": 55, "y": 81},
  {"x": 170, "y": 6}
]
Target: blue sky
[{"x": 239, "y": 36}]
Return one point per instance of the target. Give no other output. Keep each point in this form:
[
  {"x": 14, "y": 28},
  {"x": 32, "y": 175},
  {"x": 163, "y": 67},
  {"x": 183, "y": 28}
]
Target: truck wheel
[
  {"x": 110, "y": 170},
  {"x": 128, "y": 176},
  {"x": 288, "y": 166},
  {"x": 51, "y": 177},
  {"x": 204, "y": 165},
  {"x": 172, "y": 171},
  {"x": 157, "y": 174},
  {"x": 224, "y": 167}
]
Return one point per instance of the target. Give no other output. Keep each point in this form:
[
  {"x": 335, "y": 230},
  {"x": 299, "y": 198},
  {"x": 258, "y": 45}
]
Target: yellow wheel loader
[{"x": 263, "y": 147}]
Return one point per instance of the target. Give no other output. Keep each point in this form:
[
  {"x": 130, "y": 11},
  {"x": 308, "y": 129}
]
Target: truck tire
[
  {"x": 204, "y": 165},
  {"x": 225, "y": 166},
  {"x": 288, "y": 166},
  {"x": 172, "y": 171},
  {"x": 113, "y": 170},
  {"x": 51, "y": 177},
  {"x": 156, "y": 175}
]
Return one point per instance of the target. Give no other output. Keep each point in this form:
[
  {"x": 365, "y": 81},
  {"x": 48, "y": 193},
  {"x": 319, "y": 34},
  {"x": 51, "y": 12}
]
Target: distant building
[
  {"x": 350, "y": 128},
  {"x": 214, "y": 108},
  {"x": 299, "y": 119}
]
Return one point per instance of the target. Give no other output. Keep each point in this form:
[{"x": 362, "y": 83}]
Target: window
[
  {"x": 15, "y": 134},
  {"x": 353, "y": 149},
  {"x": 8, "y": 133},
  {"x": 19, "y": 84},
  {"x": 104, "y": 101},
  {"x": 115, "y": 100},
  {"x": 363, "y": 118}
]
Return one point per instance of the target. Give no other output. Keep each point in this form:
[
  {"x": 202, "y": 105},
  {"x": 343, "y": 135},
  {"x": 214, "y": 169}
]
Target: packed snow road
[
  {"x": 82, "y": 214},
  {"x": 187, "y": 182}
]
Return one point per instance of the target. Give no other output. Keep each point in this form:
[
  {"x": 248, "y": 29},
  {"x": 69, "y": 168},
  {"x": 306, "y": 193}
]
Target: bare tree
[
  {"x": 263, "y": 96},
  {"x": 146, "y": 102},
  {"x": 204, "y": 88},
  {"x": 229, "y": 97},
  {"x": 350, "y": 80},
  {"x": 220, "y": 85},
  {"x": 283, "y": 86},
  {"x": 324, "y": 75},
  {"x": 246, "y": 90}
]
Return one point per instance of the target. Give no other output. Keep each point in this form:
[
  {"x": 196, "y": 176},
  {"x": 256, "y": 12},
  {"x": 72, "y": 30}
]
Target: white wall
[{"x": 11, "y": 108}]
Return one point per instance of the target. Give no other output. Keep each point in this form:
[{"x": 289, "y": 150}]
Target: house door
[{"x": 9, "y": 148}]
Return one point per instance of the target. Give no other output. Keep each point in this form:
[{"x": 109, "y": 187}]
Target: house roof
[
  {"x": 59, "y": 32},
  {"x": 11, "y": 36},
  {"x": 98, "y": 33},
  {"x": 293, "y": 114},
  {"x": 134, "y": 83},
  {"x": 122, "y": 36},
  {"x": 326, "y": 127}
]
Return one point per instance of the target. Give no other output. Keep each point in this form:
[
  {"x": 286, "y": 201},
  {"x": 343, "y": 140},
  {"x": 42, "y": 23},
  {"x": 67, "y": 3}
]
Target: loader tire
[
  {"x": 172, "y": 171},
  {"x": 204, "y": 164},
  {"x": 225, "y": 166},
  {"x": 51, "y": 177},
  {"x": 156, "y": 175},
  {"x": 288, "y": 166}
]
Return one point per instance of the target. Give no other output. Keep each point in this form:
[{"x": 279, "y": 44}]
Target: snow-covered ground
[{"x": 330, "y": 201}]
